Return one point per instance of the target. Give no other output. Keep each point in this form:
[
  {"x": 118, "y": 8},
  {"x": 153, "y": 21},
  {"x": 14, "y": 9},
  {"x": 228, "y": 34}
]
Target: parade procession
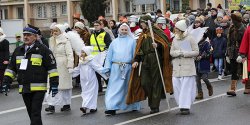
[{"x": 124, "y": 62}]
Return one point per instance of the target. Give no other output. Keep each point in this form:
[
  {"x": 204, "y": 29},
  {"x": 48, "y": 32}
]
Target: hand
[
  {"x": 5, "y": 62},
  {"x": 154, "y": 45},
  {"x": 239, "y": 59},
  {"x": 180, "y": 54},
  {"x": 228, "y": 60},
  {"x": 5, "y": 89},
  {"x": 243, "y": 60},
  {"x": 198, "y": 58},
  {"x": 135, "y": 64},
  {"x": 54, "y": 91},
  {"x": 70, "y": 70}
]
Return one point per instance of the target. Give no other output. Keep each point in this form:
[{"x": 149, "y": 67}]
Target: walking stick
[{"x": 152, "y": 36}]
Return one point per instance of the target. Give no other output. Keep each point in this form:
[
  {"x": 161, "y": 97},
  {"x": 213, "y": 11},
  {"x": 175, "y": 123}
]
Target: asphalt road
[{"x": 218, "y": 109}]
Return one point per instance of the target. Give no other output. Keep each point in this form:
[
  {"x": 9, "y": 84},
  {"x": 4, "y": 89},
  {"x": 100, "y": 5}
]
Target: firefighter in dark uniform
[{"x": 32, "y": 62}]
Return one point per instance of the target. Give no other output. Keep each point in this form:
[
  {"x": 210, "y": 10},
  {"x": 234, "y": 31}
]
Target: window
[
  {"x": 20, "y": 12},
  {"x": 41, "y": 11},
  {"x": 53, "y": 10},
  {"x": 5, "y": 14},
  {"x": 108, "y": 8},
  {"x": 143, "y": 8},
  {"x": 127, "y": 6},
  {"x": 64, "y": 9},
  {"x": 176, "y": 5}
]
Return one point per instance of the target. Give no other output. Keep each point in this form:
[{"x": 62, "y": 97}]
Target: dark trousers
[
  {"x": 1, "y": 76},
  {"x": 99, "y": 78},
  {"x": 235, "y": 69},
  {"x": 204, "y": 77},
  {"x": 33, "y": 102}
]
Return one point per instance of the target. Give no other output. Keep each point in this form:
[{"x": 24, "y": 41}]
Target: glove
[
  {"x": 239, "y": 59},
  {"x": 5, "y": 89},
  {"x": 54, "y": 90},
  {"x": 228, "y": 60},
  {"x": 71, "y": 71}
]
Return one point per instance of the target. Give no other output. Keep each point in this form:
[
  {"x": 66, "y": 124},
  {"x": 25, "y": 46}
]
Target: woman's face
[
  {"x": 124, "y": 30},
  {"x": 197, "y": 24},
  {"x": 77, "y": 29},
  {"x": 177, "y": 31},
  {"x": 111, "y": 24},
  {"x": 56, "y": 32}
]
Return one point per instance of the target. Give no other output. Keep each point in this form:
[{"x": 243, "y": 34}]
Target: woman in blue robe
[{"x": 119, "y": 63}]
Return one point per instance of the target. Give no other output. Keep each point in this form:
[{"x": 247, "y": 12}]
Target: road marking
[{"x": 172, "y": 109}]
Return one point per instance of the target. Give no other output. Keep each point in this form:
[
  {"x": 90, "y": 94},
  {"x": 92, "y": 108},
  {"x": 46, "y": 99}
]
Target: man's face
[
  {"x": 144, "y": 25},
  {"x": 213, "y": 12},
  {"x": 97, "y": 26},
  {"x": 29, "y": 38},
  {"x": 160, "y": 25},
  {"x": 18, "y": 38}
]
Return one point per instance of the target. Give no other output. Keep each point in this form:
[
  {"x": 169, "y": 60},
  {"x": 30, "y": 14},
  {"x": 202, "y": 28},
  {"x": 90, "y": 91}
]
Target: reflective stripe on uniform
[
  {"x": 53, "y": 73},
  {"x": 18, "y": 59},
  {"x": 9, "y": 73},
  {"x": 36, "y": 59},
  {"x": 38, "y": 86},
  {"x": 101, "y": 43},
  {"x": 20, "y": 88}
]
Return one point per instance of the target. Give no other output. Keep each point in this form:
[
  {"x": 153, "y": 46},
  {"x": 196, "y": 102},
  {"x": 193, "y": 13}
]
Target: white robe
[
  {"x": 184, "y": 90},
  {"x": 89, "y": 83}
]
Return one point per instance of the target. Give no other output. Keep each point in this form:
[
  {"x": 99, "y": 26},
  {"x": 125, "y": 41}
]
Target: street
[{"x": 215, "y": 110}]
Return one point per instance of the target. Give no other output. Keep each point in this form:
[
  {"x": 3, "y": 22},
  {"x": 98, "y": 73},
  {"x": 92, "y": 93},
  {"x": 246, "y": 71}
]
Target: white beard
[{"x": 2, "y": 37}]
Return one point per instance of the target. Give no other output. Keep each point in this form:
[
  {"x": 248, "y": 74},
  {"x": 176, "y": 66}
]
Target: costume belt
[{"x": 123, "y": 69}]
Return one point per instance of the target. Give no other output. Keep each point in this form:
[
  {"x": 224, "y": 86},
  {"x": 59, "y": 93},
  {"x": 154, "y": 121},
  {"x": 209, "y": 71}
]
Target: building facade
[{"x": 42, "y": 12}]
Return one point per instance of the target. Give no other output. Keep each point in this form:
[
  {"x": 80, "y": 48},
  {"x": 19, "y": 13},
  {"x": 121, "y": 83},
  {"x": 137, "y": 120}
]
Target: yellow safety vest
[{"x": 100, "y": 40}]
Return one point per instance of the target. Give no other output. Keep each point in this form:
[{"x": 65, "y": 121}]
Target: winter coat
[
  {"x": 203, "y": 65},
  {"x": 219, "y": 45},
  {"x": 62, "y": 50},
  {"x": 212, "y": 27},
  {"x": 4, "y": 53},
  {"x": 234, "y": 40},
  {"x": 244, "y": 47},
  {"x": 184, "y": 66}
]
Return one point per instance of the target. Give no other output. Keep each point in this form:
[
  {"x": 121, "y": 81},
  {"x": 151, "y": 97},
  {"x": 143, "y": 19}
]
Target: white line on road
[{"x": 172, "y": 109}]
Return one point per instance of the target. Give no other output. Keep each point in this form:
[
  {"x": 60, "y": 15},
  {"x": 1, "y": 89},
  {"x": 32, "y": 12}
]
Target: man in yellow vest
[{"x": 100, "y": 40}]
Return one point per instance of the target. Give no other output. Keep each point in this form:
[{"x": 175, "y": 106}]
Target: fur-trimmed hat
[{"x": 236, "y": 17}]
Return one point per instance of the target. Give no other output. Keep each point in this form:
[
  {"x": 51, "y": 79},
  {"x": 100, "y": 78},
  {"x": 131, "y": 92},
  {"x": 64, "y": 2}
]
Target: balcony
[{"x": 11, "y": 2}]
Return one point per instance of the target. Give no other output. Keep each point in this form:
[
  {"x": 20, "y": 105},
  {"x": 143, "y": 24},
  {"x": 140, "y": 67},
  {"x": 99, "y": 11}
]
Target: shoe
[
  {"x": 83, "y": 109},
  {"x": 231, "y": 93},
  {"x": 110, "y": 112},
  {"x": 154, "y": 110},
  {"x": 50, "y": 109},
  {"x": 93, "y": 110},
  {"x": 199, "y": 96},
  {"x": 219, "y": 77},
  {"x": 184, "y": 111},
  {"x": 65, "y": 108},
  {"x": 210, "y": 90}
]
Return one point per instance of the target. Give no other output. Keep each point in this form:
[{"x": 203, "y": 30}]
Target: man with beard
[{"x": 147, "y": 83}]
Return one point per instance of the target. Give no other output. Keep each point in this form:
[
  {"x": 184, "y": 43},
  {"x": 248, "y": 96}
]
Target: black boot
[
  {"x": 154, "y": 110},
  {"x": 83, "y": 109},
  {"x": 65, "y": 108},
  {"x": 50, "y": 109},
  {"x": 184, "y": 111},
  {"x": 93, "y": 110},
  {"x": 110, "y": 112}
]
